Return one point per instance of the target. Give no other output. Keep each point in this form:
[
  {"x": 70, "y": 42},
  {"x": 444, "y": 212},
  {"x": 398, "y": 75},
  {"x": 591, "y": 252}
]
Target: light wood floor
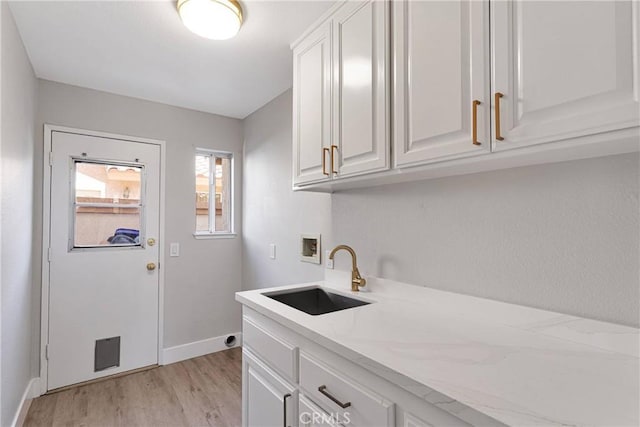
[{"x": 205, "y": 391}]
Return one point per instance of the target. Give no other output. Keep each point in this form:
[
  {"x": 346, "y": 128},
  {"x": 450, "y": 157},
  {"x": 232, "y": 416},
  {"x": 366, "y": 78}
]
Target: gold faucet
[{"x": 356, "y": 279}]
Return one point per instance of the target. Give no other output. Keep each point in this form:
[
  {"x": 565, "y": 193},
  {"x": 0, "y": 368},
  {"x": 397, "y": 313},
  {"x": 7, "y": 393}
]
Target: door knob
[{"x": 151, "y": 266}]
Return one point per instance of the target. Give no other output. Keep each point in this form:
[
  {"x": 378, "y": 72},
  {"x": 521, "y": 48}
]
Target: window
[
  {"x": 214, "y": 201},
  {"x": 108, "y": 204}
]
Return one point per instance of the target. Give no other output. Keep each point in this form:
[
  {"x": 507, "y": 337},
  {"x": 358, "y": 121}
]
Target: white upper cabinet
[
  {"x": 441, "y": 82},
  {"x": 470, "y": 78},
  {"x": 564, "y": 68},
  {"x": 361, "y": 89},
  {"x": 312, "y": 106}
]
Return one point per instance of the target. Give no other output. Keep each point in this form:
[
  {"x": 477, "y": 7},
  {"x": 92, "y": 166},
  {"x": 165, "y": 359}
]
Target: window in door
[
  {"x": 214, "y": 201},
  {"x": 107, "y": 204}
]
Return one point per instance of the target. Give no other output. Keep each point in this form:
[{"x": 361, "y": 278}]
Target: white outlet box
[{"x": 310, "y": 248}]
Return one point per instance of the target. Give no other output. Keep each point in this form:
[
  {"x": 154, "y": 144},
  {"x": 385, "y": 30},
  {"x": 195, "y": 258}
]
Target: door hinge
[
  {"x": 50, "y": 158},
  {"x": 49, "y": 254},
  {"x": 46, "y": 351}
]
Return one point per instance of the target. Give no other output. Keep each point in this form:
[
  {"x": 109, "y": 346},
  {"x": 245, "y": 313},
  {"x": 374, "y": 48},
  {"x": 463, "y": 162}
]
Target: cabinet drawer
[
  {"x": 341, "y": 396},
  {"x": 313, "y": 416},
  {"x": 279, "y": 354}
]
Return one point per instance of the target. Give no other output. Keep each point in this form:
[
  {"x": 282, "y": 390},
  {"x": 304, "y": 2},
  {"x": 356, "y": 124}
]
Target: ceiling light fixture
[{"x": 212, "y": 19}]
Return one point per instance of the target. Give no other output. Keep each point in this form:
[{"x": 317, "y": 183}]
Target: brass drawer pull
[
  {"x": 333, "y": 169},
  {"x": 323, "y": 389},
  {"x": 324, "y": 161},
  {"x": 496, "y": 101},
  {"x": 475, "y": 123}
]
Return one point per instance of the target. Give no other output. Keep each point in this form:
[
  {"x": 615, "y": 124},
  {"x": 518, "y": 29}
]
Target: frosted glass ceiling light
[{"x": 212, "y": 19}]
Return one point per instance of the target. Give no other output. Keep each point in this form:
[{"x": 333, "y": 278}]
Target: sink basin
[{"x": 316, "y": 301}]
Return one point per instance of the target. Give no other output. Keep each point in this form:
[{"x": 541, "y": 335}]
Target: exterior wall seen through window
[{"x": 213, "y": 199}]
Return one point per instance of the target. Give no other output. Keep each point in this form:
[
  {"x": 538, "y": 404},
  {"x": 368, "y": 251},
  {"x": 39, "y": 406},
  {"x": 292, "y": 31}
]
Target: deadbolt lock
[
  {"x": 151, "y": 241},
  {"x": 151, "y": 266}
]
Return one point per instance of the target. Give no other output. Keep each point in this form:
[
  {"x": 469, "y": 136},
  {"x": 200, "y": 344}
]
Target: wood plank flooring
[{"x": 205, "y": 391}]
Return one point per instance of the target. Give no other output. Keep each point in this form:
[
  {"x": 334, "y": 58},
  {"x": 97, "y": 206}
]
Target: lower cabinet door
[{"x": 267, "y": 399}]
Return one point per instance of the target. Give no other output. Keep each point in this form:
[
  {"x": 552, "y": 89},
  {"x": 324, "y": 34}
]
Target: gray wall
[
  {"x": 19, "y": 87},
  {"x": 561, "y": 236},
  {"x": 200, "y": 284},
  {"x": 273, "y": 213}
]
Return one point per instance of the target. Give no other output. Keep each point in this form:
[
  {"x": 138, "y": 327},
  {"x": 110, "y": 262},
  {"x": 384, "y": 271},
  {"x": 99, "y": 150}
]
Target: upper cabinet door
[
  {"x": 361, "y": 90},
  {"x": 312, "y": 106},
  {"x": 441, "y": 80},
  {"x": 564, "y": 69}
]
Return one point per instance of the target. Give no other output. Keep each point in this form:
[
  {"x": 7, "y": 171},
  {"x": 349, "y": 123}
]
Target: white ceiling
[{"x": 141, "y": 49}]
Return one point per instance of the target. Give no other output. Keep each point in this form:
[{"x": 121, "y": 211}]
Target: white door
[
  {"x": 312, "y": 107},
  {"x": 361, "y": 88},
  {"x": 441, "y": 98},
  {"x": 268, "y": 400},
  {"x": 103, "y": 260},
  {"x": 564, "y": 69}
]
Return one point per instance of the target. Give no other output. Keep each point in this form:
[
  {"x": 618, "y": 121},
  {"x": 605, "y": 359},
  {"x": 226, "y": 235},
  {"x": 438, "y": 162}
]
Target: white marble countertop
[{"x": 517, "y": 365}]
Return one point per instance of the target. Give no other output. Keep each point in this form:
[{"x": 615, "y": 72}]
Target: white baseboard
[
  {"x": 198, "y": 348},
  {"x": 31, "y": 390},
  {"x": 34, "y": 388}
]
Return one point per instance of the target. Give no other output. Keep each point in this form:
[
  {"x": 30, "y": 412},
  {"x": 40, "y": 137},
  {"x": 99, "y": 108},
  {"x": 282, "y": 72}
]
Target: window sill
[{"x": 204, "y": 236}]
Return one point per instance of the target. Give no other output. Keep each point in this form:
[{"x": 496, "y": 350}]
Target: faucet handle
[{"x": 357, "y": 281}]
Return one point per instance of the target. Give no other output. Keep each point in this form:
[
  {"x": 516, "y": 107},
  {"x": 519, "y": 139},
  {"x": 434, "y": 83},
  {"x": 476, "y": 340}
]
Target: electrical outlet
[
  {"x": 329, "y": 262},
  {"x": 272, "y": 251}
]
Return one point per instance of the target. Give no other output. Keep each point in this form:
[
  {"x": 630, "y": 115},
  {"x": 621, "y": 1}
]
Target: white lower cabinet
[
  {"x": 268, "y": 400},
  {"x": 410, "y": 420},
  {"x": 312, "y": 416},
  {"x": 289, "y": 380},
  {"x": 343, "y": 396}
]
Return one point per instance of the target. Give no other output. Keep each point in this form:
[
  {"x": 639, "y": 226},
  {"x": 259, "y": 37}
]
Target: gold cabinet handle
[
  {"x": 324, "y": 161},
  {"x": 333, "y": 162},
  {"x": 474, "y": 125},
  {"x": 496, "y": 101},
  {"x": 151, "y": 266},
  {"x": 323, "y": 389}
]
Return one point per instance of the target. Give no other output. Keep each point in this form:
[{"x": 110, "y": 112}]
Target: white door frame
[{"x": 46, "y": 214}]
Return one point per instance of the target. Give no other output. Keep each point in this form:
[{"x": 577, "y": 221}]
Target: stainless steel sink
[{"x": 316, "y": 301}]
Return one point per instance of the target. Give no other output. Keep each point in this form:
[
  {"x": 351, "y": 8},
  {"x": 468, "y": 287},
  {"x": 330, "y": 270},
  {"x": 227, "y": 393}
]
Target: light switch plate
[
  {"x": 272, "y": 250},
  {"x": 174, "y": 249}
]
